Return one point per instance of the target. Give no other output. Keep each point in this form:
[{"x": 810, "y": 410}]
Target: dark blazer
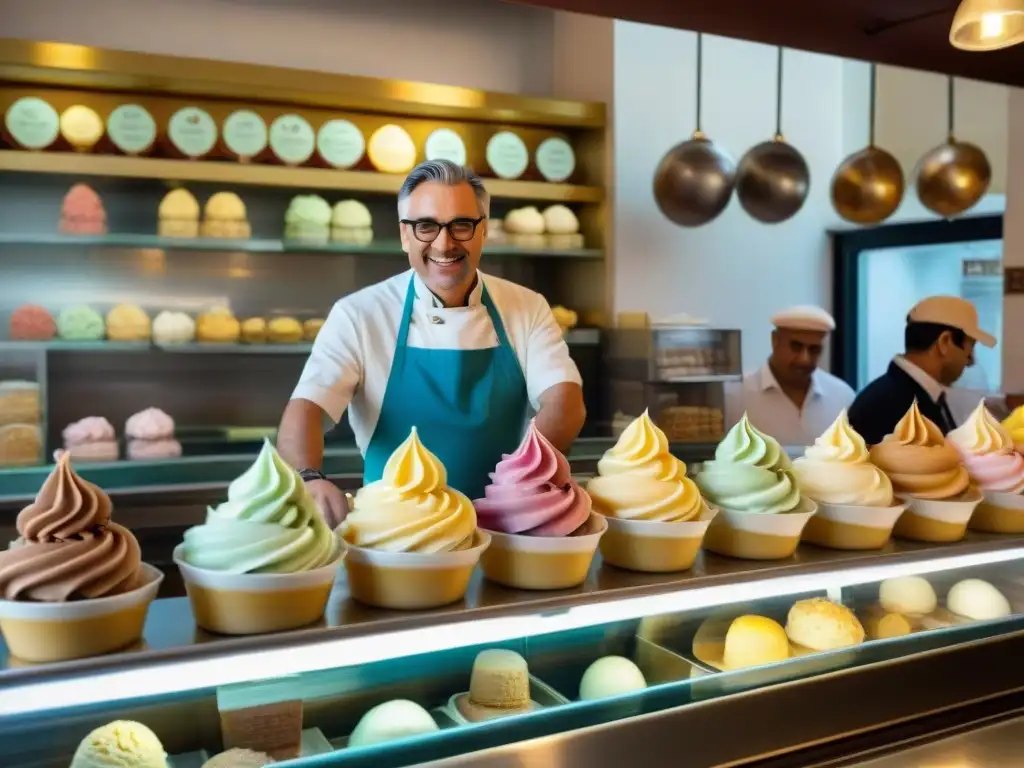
[{"x": 882, "y": 403}]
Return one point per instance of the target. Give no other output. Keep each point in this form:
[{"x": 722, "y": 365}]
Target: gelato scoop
[
  {"x": 919, "y": 460},
  {"x": 173, "y": 328},
  {"x": 752, "y": 641},
  {"x": 639, "y": 479},
  {"x": 1014, "y": 424},
  {"x": 750, "y": 473},
  {"x": 178, "y": 214},
  {"x": 397, "y": 719},
  {"x": 239, "y": 758},
  {"x": 218, "y": 326},
  {"x": 150, "y": 424},
  {"x": 836, "y": 469},
  {"x": 120, "y": 744},
  {"x": 532, "y": 492},
  {"x": 30, "y": 322},
  {"x": 988, "y": 453},
  {"x": 977, "y": 600},
  {"x": 411, "y": 508},
  {"x": 611, "y": 676},
  {"x": 128, "y": 322},
  {"x": 823, "y": 625},
  {"x": 225, "y": 216},
  {"x": 80, "y": 323},
  {"x": 308, "y": 219},
  {"x": 269, "y": 524},
  {"x": 91, "y": 429},
  {"x": 68, "y": 548},
  {"x": 82, "y": 212}
]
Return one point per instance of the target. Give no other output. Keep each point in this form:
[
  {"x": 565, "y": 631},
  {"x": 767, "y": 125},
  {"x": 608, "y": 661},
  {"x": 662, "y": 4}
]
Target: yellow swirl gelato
[
  {"x": 411, "y": 508},
  {"x": 987, "y": 452},
  {"x": 1014, "y": 424},
  {"x": 638, "y": 479},
  {"x": 750, "y": 473},
  {"x": 838, "y": 470},
  {"x": 919, "y": 460}
]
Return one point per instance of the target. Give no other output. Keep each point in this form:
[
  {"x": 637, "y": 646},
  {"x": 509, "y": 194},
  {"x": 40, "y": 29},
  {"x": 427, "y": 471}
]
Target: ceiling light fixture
[{"x": 987, "y": 25}]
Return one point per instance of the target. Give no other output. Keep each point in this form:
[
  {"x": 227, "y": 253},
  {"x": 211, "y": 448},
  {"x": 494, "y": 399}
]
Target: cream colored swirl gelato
[
  {"x": 750, "y": 473},
  {"x": 411, "y": 508},
  {"x": 919, "y": 460},
  {"x": 837, "y": 469},
  {"x": 988, "y": 453},
  {"x": 639, "y": 479}
]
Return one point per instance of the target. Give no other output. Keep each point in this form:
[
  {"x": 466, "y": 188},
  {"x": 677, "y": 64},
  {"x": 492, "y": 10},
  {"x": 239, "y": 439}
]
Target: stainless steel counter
[{"x": 995, "y": 746}]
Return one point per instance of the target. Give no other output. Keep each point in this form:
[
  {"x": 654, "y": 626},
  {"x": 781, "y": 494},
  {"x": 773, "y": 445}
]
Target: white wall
[{"x": 475, "y": 43}]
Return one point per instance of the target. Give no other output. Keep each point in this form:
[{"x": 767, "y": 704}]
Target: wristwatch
[{"x": 308, "y": 474}]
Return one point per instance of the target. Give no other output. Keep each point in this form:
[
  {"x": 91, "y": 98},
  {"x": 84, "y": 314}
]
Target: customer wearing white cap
[
  {"x": 790, "y": 397},
  {"x": 938, "y": 344}
]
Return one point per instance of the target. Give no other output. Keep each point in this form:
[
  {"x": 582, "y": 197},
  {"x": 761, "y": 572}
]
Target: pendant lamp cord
[
  {"x": 778, "y": 93},
  {"x": 871, "y": 104},
  {"x": 700, "y": 65},
  {"x": 951, "y": 105}
]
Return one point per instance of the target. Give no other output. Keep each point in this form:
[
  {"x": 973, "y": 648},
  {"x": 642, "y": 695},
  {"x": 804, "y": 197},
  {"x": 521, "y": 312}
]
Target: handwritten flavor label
[
  {"x": 245, "y": 133},
  {"x": 131, "y": 129},
  {"x": 192, "y": 131},
  {"x": 32, "y": 122},
  {"x": 340, "y": 143},
  {"x": 292, "y": 139},
  {"x": 446, "y": 144},
  {"x": 507, "y": 155},
  {"x": 555, "y": 159}
]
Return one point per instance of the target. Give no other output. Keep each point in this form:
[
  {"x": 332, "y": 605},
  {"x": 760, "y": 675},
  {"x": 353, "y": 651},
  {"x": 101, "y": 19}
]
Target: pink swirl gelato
[
  {"x": 987, "y": 450},
  {"x": 91, "y": 429},
  {"x": 532, "y": 492},
  {"x": 150, "y": 424}
]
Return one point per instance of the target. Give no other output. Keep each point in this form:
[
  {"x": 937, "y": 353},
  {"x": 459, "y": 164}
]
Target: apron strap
[
  {"x": 403, "y": 326},
  {"x": 492, "y": 311}
]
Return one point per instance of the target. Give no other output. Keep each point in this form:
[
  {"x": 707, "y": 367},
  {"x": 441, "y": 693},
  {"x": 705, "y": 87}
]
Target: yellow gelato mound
[
  {"x": 284, "y": 330},
  {"x": 1014, "y": 424},
  {"x": 919, "y": 460},
  {"x": 254, "y": 330},
  {"x": 128, "y": 322},
  {"x": 837, "y": 469},
  {"x": 120, "y": 743},
  {"x": 225, "y": 217},
  {"x": 218, "y": 326},
  {"x": 750, "y": 473},
  {"x": 822, "y": 625},
  {"x": 639, "y": 479},
  {"x": 753, "y": 641},
  {"x": 411, "y": 508}
]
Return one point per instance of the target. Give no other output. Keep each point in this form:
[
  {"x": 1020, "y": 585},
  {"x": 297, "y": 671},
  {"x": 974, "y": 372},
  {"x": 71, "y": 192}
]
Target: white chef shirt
[
  {"x": 772, "y": 412},
  {"x": 354, "y": 351}
]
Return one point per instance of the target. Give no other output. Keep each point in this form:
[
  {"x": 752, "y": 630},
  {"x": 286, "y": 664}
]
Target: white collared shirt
[
  {"x": 961, "y": 400},
  {"x": 353, "y": 353},
  {"x": 771, "y": 411},
  {"x": 924, "y": 379}
]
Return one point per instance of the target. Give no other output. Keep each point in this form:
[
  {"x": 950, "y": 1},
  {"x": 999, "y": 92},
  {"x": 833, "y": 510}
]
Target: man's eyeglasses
[{"x": 427, "y": 230}]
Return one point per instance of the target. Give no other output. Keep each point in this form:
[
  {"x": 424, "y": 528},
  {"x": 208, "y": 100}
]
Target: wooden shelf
[{"x": 227, "y": 173}]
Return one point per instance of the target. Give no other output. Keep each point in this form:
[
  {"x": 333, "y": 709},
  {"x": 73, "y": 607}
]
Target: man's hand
[{"x": 331, "y": 501}]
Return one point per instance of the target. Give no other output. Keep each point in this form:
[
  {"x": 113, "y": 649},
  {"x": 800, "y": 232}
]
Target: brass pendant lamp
[
  {"x": 772, "y": 180},
  {"x": 694, "y": 180},
  {"x": 987, "y": 25},
  {"x": 954, "y": 176},
  {"x": 868, "y": 186}
]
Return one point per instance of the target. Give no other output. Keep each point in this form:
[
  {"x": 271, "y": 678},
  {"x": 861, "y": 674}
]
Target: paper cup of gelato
[
  {"x": 999, "y": 513},
  {"x": 937, "y": 521},
  {"x": 543, "y": 533},
  {"x": 656, "y": 516},
  {"x": 73, "y": 584},
  {"x": 856, "y": 505},
  {"x": 412, "y": 540},
  {"x": 264, "y": 560},
  {"x": 761, "y": 512}
]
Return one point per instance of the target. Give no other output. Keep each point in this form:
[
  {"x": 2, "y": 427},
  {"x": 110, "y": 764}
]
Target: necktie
[{"x": 947, "y": 415}]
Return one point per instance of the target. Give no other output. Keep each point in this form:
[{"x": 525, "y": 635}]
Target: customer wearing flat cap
[
  {"x": 938, "y": 343},
  {"x": 790, "y": 397},
  {"x": 465, "y": 357}
]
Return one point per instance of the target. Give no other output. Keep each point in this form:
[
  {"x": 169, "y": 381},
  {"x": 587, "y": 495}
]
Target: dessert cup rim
[
  {"x": 684, "y": 529},
  {"x": 807, "y": 506},
  {"x": 425, "y": 560},
  {"x": 971, "y": 495},
  {"x": 1012, "y": 501},
  {"x": 154, "y": 577},
  {"x": 823, "y": 505},
  {"x": 341, "y": 549},
  {"x": 595, "y": 521}
]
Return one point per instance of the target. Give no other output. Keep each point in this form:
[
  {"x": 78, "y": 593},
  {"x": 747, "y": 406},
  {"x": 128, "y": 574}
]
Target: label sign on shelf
[
  {"x": 131, "y": 129},
  {"x": 192, "y": 131},
  {"x": 245, "y": 133},
  {"x": 1013, "y": 281},
  {"x": 32, "y": 122},
  {"x": 292, "y": 139},
  {"x": 446, "y": 144},
  {"x": 555, "y": 159},
  {"x": 340, "y": 143},
  {"x": 507, "y": 155}
]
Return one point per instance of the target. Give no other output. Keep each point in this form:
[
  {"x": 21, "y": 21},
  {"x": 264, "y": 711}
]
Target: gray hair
[{"x": 443, "y": 172}]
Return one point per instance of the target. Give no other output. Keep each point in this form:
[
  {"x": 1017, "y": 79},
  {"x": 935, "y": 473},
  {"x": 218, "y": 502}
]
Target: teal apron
[{"x": 468, "y": 406}]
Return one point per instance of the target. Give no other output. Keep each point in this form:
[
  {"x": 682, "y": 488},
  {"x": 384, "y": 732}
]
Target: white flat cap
[{"x": 804, "y": 318}]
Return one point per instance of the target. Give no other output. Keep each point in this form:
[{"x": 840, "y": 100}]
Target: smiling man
[{"x": 464, "y": 357}]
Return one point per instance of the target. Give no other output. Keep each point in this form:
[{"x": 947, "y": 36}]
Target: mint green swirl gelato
[
  {"x": 750, "y": 473},
  {"x": 81, "y": 323},
  {"x": 269, "y": 524}
]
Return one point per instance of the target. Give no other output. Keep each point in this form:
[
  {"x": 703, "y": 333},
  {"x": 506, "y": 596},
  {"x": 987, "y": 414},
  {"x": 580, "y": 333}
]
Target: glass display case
[{"x": 885, "y": 655}]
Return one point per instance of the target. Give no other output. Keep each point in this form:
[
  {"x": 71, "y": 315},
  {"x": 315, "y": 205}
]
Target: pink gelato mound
[
  {"x": 999, "y": 472},
  {"x": 82, "y": 212},
  {"x": 150, "y": 424},
  {"x": 30, "y": 322},
  {"x": 143, "y": 450},
  {"x": 532, "y": 492},
  {"x": 91, "y": 439}
]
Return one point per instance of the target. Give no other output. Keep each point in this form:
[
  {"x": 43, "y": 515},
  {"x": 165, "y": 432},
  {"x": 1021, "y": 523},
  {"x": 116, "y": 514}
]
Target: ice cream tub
[
  {"x": 655, "y": 547},
  {"x": 751, "y": 536},
  {"x": 999, "y": 512},
  {"x": 256, "y": 603},
  {"x": 543, "y": 562},
  {"x": 937, "y": 521},
  {"x": 847, "y": 526},
  {"x": 38, "y": 631},
  {"x": 412, "y": 580}
]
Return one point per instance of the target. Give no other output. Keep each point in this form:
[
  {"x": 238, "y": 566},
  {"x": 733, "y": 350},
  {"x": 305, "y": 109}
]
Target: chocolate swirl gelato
[{"x": 69, "y": 549}]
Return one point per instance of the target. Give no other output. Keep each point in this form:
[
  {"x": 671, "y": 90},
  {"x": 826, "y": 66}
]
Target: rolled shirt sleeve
[
  {"x": 547, "y": 355},
  {"x": 334, "y": 368}
]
